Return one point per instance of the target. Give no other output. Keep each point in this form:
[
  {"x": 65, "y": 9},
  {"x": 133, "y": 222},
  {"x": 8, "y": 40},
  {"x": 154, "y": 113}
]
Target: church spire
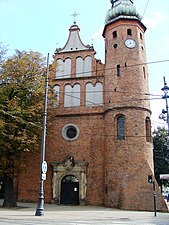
[{"x": 122, "y": 8}]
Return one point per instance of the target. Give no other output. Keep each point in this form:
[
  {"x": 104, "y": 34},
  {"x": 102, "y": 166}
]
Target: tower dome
[{"x": 122, "y": 8}]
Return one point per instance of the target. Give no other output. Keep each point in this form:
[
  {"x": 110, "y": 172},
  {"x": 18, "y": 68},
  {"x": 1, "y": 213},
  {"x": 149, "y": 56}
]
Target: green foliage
[
  {"x": 21, "y": 106},
  {"x": 3, "y": 50},
  {"x": 161, "y": 165}
]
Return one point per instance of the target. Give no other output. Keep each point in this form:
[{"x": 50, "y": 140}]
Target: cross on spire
[{"x": 75, "y": 14}]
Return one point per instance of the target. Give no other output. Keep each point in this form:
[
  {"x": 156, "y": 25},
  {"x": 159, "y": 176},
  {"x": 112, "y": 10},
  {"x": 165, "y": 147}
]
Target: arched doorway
[{"x": 69, "y": 190}]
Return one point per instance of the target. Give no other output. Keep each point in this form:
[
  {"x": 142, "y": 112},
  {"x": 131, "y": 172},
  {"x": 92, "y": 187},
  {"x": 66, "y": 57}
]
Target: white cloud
[
  {"x": 155, "y": 20},
  {"x": 150, "y": 22},
  {"x": 98, "y": 34},
  {"x": 159, "y": 16}
]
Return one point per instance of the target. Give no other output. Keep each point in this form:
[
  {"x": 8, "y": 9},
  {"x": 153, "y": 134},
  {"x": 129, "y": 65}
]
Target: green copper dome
[{"x": 123, "y": 8}]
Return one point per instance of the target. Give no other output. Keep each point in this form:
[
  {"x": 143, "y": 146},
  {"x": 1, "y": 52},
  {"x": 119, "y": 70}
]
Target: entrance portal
[
  {"x": 69, "y": 190},
  {"x": 69, "y": 184}
]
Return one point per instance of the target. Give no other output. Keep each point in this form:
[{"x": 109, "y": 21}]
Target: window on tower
[
  {"x": 121, "y": 127},
  {"x": 144, "y": 72},
  {"x": 118, "y": 71},
  {"x": 148, "y": 129},
  {"x": 141, "y": 36},
  {"x": 129, "y": 32},
  {"x": 114, "y": 34}
]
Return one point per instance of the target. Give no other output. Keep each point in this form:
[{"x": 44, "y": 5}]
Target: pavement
[{"x": 24, "y": 214}]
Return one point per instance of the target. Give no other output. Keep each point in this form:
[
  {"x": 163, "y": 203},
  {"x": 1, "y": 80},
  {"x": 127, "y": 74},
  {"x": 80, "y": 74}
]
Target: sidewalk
[{"x": 24, "y": 214}]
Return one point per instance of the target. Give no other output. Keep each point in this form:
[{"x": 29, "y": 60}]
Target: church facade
[{"x": 99, "y": 145}]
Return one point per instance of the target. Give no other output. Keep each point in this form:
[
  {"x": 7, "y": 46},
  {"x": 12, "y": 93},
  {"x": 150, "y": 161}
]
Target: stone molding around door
[{"x": 69, "y": 167}]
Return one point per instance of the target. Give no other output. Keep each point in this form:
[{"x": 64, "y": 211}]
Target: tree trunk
[{"x": 9, "y": 194}]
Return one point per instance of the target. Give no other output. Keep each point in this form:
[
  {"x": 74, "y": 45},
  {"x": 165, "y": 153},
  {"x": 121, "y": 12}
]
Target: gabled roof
[{"x": 74, "y": 42}]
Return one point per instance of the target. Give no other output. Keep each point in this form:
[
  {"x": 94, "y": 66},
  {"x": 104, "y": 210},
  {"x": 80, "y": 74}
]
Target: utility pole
[
  {"x": 43, "y": 164},
  {"x": 165, "y": 114}
]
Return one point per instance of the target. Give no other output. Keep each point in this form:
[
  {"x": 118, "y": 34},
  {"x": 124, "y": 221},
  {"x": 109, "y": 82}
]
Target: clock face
[{"x": 130, "y": 43}]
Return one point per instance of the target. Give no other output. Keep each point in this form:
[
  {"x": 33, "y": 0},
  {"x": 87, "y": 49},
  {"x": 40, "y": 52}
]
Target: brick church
[{"x": 99, "y": 145}]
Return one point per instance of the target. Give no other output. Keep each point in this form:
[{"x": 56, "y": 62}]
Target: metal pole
[
  {"x": 155, "y": 202},
  {"x": 165, "y": 114},
  {"x": 166, "y": 100},
  {"x": 40, "y": 206}
]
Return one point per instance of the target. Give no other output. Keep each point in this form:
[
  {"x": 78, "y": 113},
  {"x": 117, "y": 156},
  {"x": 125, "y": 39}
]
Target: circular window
[{"x": 70, "y": 132}]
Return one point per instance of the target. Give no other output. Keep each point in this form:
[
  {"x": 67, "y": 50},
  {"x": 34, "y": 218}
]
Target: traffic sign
[
  {"x": 164, "y": 176},
  {"x": 43, "y": 176},
  {"x": 44, "y": 167}
]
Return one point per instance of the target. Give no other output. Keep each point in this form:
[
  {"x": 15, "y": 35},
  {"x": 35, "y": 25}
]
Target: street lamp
[
  {"x": 43, "y": 164},
  {"x": 165, "y": 114}
]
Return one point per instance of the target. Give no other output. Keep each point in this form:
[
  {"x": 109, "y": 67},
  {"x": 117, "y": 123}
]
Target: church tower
[{"x": 128, "y": 142}]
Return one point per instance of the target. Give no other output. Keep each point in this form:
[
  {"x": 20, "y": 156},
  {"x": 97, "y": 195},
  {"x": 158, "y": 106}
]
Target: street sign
[
  {"x": 43, "y": 176},
  {"x": 164, "y": 176},
  {"x": 44, "y": 167}
]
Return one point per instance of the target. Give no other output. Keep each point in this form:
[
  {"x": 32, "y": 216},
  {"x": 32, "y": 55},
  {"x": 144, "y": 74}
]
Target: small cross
[{"x": 75, "y": 15}]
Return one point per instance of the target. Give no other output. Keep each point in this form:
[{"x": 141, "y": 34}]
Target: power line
[
  {"x": 145, "y": 9},
  {"x": 97, "y": 104},
  {"x": 157, "y": 122},
  {"x": 105, "y": 69},
  {"x": 101, "y": 104},
  {"x": 109, "y": 91}
]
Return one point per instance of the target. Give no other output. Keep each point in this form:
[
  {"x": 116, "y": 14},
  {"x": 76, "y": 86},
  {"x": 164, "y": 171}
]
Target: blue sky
[{"x": 43, "y": 25}]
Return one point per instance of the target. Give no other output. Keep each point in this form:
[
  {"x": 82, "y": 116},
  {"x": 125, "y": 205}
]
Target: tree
[
  {"x": 21, "y": 106},
  {"x": 3, "y": 51},
  {"x": 161, "y": 163}
]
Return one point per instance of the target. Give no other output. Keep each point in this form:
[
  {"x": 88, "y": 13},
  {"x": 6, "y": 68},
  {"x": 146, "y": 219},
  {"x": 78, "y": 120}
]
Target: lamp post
[
  {"x": 165, "y": 114},
  {"x": 43, "y": 165}
]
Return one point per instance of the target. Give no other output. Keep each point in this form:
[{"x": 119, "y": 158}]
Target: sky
[{"x": 43, "y": 26}]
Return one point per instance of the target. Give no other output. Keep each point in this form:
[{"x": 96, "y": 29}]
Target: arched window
[
  {"x": 148, "y": 129},
  {"x": 114, "y": 34},
  {"x": 88, "y": 66},
  {"x": 118, "y": 70},
  {"x": 120, "y": 128},
  {"x": 59, "y": 69},
  {"x": 94, "y": 94},
  {"x": 67, "y": 68},
  {"x": 72, "y": 95},
  {"x": 56, "y": 90},
  {"x": 63, "y": 69},
  {"x": 69, "y": 179},
  {"x": 141, "y": 36},
  {"x": 129, "y": 32},
  {"x": 79, "y": 67},
  {"x": 144, "y": 72},
  {"x": 84, "y": 67}
]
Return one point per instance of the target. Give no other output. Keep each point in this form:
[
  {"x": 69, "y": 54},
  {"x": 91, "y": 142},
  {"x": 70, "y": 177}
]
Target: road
[{"x": 24, "y": 214}]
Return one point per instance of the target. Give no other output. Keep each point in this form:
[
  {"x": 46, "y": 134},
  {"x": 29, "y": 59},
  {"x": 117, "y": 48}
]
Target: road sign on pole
[{"x": 44, "y": 167}]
